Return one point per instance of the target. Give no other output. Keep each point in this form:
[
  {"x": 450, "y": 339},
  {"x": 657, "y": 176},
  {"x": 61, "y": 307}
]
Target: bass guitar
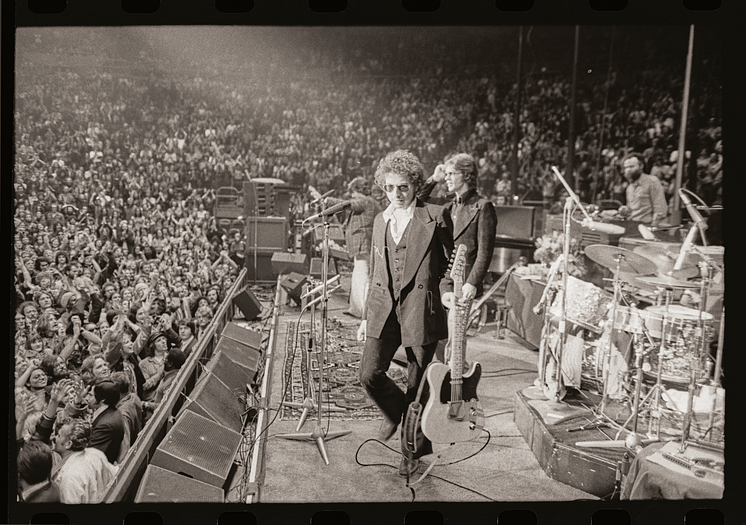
[{"x": 453, "y": 413}]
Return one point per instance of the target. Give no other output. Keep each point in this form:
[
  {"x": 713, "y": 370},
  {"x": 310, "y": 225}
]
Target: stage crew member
[{"x": 408, "y": 286}]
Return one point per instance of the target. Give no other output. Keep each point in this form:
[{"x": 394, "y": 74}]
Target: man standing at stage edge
[
  {"x": 646, "y": 199},
  {"x": 358, "y": 229},
  {"x": 407, "y": 288}
]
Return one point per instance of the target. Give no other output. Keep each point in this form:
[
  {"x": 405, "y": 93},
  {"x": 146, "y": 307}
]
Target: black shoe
[
  {"x": 387, "y": 430},
  {"x": 408, "y": 467}
]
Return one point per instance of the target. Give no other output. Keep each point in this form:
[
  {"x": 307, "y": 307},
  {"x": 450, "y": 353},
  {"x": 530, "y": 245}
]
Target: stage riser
[{"x": 561, "y": 462}]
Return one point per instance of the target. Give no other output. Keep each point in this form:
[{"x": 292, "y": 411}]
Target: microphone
[
  {"x": 686, "y": 247},
  {"x": 330, "y": 211},
  {"x": 324, "y": 196},
  {"x": 609, "y": 229},
  {"x": 693, "y": 213}
]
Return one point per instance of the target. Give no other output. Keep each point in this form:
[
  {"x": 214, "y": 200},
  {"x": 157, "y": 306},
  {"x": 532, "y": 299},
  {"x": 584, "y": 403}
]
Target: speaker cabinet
[
  {"x": 267, "y": 233},
  {"x": 214, "y": 400},
  {"x": 258, "y": 264},
  {"x": 316, "y": 267},
  {"x": 249, "y": 305},
  {"x": 293, "y": 284},
  {"x": 232, "y": 375},
  {"x": 241, "y": 353},
  {"x": 515, "y": 221},
  {"x": 243, "y": 335},
  {"x": 199, "y": 448},
  {"x": 159, "y": 485},
  {"x": 284, "y": 263}
]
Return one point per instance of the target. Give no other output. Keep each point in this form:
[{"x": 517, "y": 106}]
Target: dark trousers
[{"x": 383, "y": 390}]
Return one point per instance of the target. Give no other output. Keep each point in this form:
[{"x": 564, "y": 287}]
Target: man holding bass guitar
[{"x": 408, "y": 285}]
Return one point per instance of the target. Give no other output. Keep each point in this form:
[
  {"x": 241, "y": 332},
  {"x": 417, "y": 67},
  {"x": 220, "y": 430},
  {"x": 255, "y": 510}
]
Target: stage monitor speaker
[
  {"x": 231, "y": 374},
  {"x": 198, "y": 447},
  {"x": 159, "y": 485},
  {"x": 241, "y": 353},
  {"x": 243, "y": 335},
  {"x": 248, "y": 304},
  {"x": 293, "y": 284},
  {"x": 283, "y": 263},
  {"x": 515, "y": 221},
  {"x": 213, "y": 399},
  {"x": 316, "y": 267}
]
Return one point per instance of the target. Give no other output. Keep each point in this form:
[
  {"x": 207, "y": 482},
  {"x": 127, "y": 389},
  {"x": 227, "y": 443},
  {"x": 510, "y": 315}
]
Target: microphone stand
[
  {"x": 555, "y": 408},
  {"x": 319, "y": 434}
]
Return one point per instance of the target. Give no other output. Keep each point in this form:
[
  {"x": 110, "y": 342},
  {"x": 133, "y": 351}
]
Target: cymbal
[
  {"x": 614, "y": 257},
  {"x": 666, "y": 282},
  {"x": 665, "y": 260}
]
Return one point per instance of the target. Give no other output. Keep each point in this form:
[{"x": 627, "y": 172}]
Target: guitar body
[{"x": 444, "y": 422}]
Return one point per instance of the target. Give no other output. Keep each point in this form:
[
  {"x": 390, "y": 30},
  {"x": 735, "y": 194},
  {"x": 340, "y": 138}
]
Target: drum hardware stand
[
  {"x": 319, "y": 434},
  {"x": 555, "y": 408},
  {"x": 615, "y": 300}
]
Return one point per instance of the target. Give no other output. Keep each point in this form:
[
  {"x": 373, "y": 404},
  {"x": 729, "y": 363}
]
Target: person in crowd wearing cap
[
  {"x": 130, "y": 406},
  {"x": 107, "y": 424},
  {"x": 646, "y": 199},
  {"x": 358, "y": 228},
  {"x": 83, "y": 472},
  {"x": 34, "y": 463},
  {"x": 474, "y": 223},
  {"x": 408, "y": 286}
]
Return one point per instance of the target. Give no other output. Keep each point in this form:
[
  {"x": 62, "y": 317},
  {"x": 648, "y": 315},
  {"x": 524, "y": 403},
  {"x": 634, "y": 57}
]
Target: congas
[{"x": 587, "y": 305}]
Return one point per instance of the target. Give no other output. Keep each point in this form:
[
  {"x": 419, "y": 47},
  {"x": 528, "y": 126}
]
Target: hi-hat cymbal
[
  {"x": 665, "y": 260},
  {"x": 616, "y": 258},
  {"x": 667, "y": 282}
]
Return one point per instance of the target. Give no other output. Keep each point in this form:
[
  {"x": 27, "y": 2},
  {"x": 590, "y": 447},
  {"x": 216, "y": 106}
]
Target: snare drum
[{"x": 587, "y": 305}]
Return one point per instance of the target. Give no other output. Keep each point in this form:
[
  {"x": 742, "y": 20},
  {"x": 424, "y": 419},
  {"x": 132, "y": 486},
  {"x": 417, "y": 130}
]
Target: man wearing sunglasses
[
  {"x": 408, "y": 285},
  {"x": 474, "y": 222}
]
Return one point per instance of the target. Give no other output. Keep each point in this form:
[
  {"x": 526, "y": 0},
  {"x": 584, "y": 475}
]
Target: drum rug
[{"x": 343, "y": 396}]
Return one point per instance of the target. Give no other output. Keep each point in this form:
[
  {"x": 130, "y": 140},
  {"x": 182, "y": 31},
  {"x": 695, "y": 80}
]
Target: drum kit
[{"x": 670, "y": 341}]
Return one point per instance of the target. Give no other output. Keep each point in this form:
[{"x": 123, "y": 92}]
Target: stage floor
[{"x": 363, "y": 470}]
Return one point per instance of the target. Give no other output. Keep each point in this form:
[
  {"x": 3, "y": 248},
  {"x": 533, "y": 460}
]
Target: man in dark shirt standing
[{"x": 474, "y": 222}]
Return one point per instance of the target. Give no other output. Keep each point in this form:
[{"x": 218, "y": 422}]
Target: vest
[{"x": 395, "y": 257}]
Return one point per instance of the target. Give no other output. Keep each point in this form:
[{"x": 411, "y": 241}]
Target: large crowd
[{"x": 119, "y": 260}]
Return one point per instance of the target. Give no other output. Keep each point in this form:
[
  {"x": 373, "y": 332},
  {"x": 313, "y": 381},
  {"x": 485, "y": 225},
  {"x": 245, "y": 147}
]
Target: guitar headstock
[{"x": 458, "y": 265}]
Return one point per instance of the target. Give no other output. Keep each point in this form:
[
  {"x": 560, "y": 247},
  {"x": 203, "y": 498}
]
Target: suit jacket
[
  {"x": 476, "y": 229},
  {"x": 425, "y": 277},
  {"x": 107, "y": 432}
]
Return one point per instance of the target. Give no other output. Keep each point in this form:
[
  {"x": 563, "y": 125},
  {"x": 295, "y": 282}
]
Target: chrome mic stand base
[{"x": 319, "y": 437}]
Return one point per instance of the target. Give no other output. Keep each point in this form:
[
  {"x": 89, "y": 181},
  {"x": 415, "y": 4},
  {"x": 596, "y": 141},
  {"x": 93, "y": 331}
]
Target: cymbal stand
[
  {"x": 319, "y": 434},
  {"x": 654, "y": 423},
  {"x": 615, "y": 301}
]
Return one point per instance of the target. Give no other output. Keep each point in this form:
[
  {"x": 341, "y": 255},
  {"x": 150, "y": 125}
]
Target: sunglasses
[{"x": 390, "y": 188}]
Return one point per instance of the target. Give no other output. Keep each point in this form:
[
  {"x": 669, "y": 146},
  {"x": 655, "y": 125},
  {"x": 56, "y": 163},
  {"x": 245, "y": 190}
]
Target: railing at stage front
[{"x": 123, "y": 487}]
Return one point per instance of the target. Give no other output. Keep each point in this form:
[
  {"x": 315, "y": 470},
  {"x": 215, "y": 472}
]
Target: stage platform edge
[{"x": 560, "y": 460}]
